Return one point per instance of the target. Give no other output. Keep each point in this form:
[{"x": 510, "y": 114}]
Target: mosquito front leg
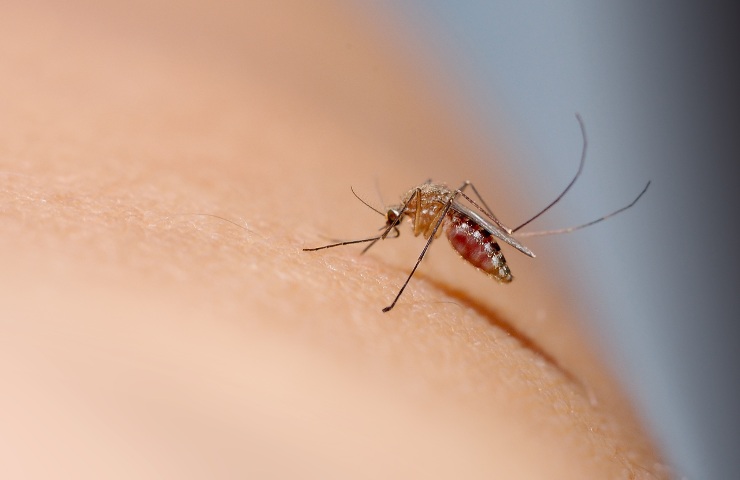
[
  {"x": 374, "y": 241},
  {"x": 350, "y": 242},
  {"x": 424, "y": 251},
  {"x": 417, "y": 212},
  {"x": 393, "y": 224}
]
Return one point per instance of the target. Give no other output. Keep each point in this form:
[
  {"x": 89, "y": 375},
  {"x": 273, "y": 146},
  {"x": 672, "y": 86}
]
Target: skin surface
[{"x": 142, "y": 340}]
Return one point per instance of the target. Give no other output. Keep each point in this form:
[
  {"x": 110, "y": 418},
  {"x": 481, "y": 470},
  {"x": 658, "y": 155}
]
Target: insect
[{"x": 472, "y": 230}]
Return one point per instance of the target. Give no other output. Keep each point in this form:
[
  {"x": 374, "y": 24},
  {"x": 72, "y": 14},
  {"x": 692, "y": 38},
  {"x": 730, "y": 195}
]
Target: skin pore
[{"x": 143, "y": 337}]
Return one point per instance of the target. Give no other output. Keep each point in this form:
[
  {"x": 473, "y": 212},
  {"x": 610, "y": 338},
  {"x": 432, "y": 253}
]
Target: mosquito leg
[
  {"x": 396, "y": 232},
  {"x": 477, "y": 194},
  {"x": 392, "y": 227},
  {"x": 417, "y": 213},
  {"x": 350, "y": 242},
  {"x": 424, "y": 251},
  {"x": 578, "y": 174},
  {"x": 588, "y": 224},
  {"x": 433, "y": 224},
  {"x": 394, "y": 224},
  {"x": 487, "y": 210},
  {"x": 370, "y": 245}
]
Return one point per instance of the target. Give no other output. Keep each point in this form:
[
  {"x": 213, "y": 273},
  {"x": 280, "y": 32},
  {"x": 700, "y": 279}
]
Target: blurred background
[{"x": 655, "y": 83}]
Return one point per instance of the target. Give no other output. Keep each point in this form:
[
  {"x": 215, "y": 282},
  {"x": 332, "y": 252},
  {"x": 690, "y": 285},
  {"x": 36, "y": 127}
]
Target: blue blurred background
[{"x": 655, "y": 84}]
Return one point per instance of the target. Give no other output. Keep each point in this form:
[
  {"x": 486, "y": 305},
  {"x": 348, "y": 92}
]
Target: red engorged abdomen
[{"x": 477, "y": 246}]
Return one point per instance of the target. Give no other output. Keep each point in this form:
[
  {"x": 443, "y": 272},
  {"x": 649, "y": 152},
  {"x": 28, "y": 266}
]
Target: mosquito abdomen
[{"x": 476, "y": 245}]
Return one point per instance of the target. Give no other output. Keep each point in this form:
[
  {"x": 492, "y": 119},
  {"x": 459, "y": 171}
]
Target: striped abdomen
[{"x": 476, "y": 245}]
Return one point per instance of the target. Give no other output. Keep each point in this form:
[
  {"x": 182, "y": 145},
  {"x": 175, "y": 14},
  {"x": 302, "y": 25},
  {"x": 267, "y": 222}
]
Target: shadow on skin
[{"x": 495, "y": 319}]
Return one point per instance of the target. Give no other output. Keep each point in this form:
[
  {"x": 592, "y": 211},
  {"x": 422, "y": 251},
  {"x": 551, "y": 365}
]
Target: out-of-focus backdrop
[{"x": 654, "y": 82}]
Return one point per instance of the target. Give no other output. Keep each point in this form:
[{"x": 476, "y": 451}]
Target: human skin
[{"x": 143, "y": 337}]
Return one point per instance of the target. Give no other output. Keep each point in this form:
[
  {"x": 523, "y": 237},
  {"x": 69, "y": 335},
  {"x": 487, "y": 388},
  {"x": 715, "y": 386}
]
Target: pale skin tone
[{"x": 141, "y": 339}]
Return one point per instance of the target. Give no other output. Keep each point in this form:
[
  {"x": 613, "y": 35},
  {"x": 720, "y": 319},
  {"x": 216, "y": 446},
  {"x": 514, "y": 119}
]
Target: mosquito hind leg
[{"x": 485, "y": 208}]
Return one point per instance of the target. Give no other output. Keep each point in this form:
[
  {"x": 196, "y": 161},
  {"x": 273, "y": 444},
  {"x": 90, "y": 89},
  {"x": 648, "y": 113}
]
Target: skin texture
[{"x": 141, "y": 339}]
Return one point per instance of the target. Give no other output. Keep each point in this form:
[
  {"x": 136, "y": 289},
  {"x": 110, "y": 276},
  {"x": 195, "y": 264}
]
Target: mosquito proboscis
[{"x": 472, "y": 230}]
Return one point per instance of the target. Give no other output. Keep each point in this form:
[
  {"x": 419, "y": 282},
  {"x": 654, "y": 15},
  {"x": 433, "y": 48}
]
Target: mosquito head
[{"x": 393, "y": 217}]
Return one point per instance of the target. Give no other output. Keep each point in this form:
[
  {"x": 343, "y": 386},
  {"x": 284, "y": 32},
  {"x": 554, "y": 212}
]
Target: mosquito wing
[{"x": 491, "y": 227}]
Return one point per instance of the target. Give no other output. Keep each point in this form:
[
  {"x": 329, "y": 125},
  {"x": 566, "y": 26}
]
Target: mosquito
[{"x": 473, "y": 231}]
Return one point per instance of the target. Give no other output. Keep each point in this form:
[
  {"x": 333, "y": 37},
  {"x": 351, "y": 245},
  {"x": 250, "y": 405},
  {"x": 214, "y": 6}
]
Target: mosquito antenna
[
  {"x": 392, "y": 226},
  {"x": 592, "y": 222},
  {"x": 578, "y": 174},
  {"x": 379, "y": 191},
  {"x": 365, "y": 203}
]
